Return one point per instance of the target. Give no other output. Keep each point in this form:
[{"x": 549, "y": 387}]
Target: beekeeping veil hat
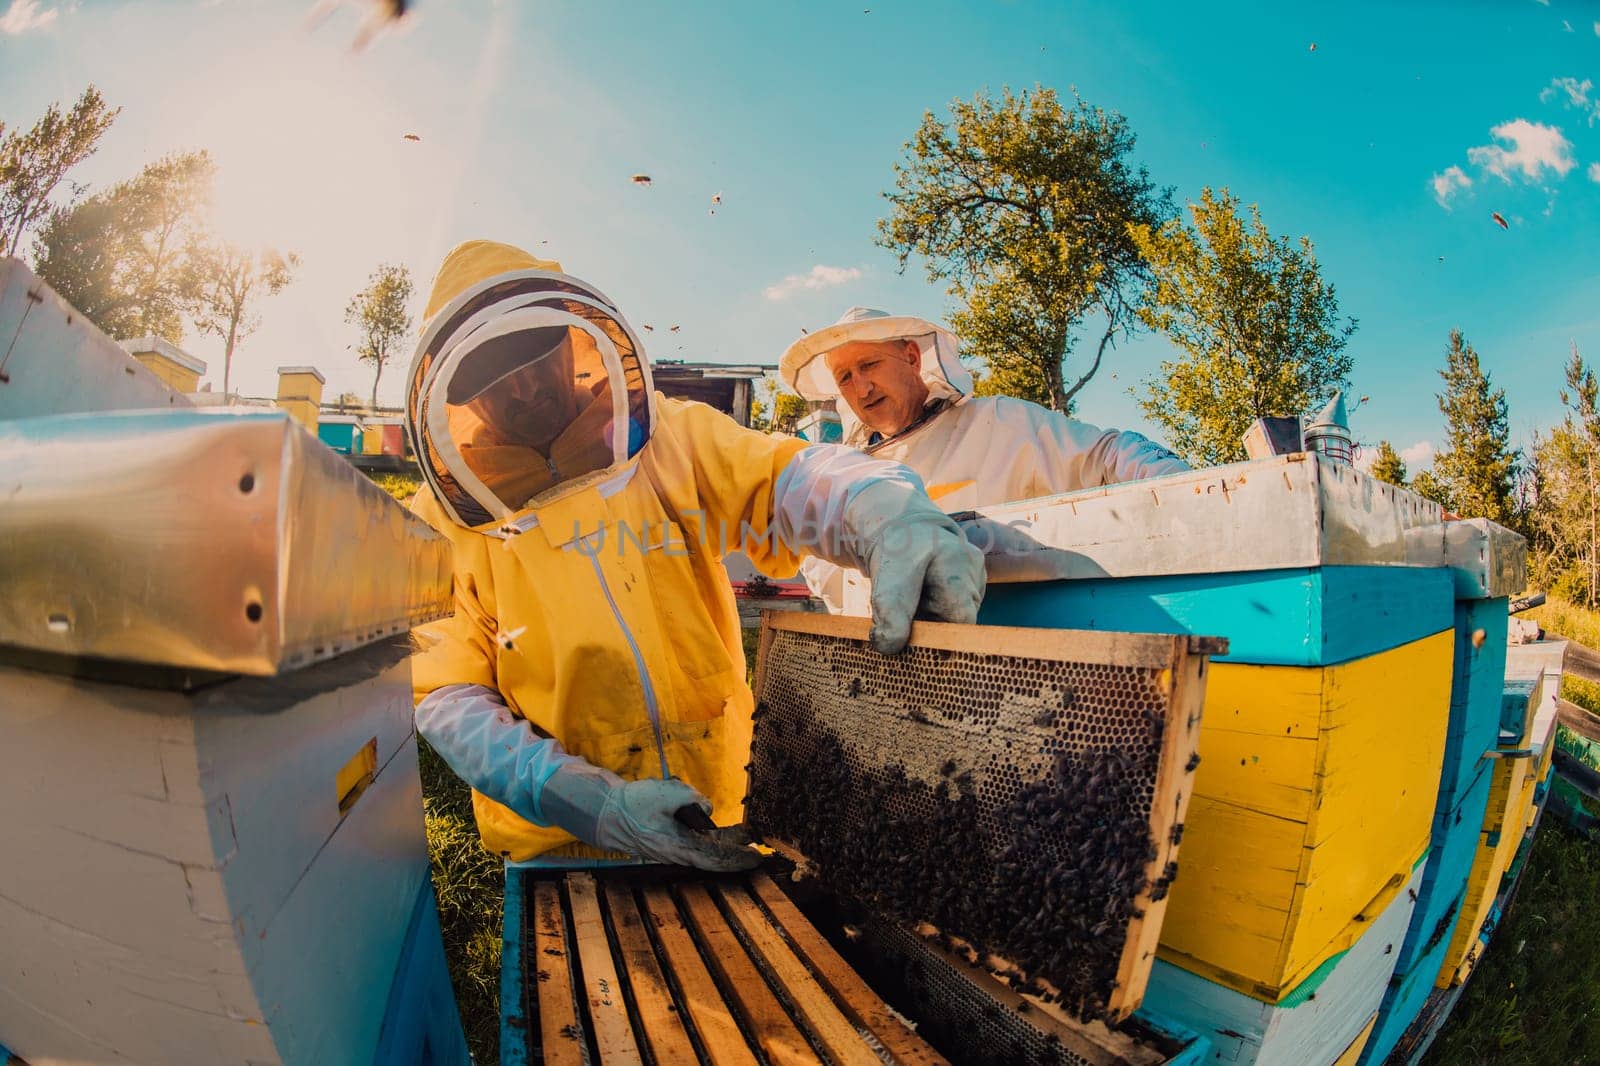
[
  {"x": 526, "y": 382},
  {"x": 804, "y": 366}
]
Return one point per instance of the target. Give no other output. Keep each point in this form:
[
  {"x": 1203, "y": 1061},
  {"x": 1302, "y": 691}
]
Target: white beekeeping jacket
[{"x": 983, "y": 450}]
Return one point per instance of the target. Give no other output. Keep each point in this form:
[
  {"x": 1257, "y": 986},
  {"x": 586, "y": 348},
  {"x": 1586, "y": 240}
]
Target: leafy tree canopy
[
  {"x": 1023, "y": 206},
  {"x": 1258, "y": 326}
]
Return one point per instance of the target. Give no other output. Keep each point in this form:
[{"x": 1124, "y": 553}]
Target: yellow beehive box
[{"x": 1313, "y": 799}]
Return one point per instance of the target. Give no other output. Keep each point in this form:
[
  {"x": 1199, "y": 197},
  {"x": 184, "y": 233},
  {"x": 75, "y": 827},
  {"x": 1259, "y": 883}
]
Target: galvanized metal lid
[
  {"x": 229, "y": 541},
  {"x": 1300, "y": 510}
]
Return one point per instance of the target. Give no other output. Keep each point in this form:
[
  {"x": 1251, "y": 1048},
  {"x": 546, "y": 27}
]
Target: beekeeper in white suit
[{"x": 908, "y": 398}]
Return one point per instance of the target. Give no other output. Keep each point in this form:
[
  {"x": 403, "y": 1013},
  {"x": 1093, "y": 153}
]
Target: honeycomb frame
[{"x": 942, "y": 707}]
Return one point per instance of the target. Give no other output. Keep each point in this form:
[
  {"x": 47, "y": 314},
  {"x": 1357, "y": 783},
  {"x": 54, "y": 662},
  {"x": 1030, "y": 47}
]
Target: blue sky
[{"x": 533, "y": 116}]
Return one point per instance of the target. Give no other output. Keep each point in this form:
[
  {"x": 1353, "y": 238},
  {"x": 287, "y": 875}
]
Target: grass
[
  {"x": 1535, "y": 997},
  {"x": 400, "y": 486},
  {"x": 470, "y": 886},
  {"x": 1569, "y": 620}
]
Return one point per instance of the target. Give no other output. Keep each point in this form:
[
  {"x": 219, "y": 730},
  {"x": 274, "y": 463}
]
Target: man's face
[
  {"x": 534, "y": 405},
  {"x": 881, "y": 381}
]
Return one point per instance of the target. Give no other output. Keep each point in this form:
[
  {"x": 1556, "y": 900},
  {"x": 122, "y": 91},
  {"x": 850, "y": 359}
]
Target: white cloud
[
  {"x": 1448, "y": 183},
  {"x": 1535, "y": 148},
  {"x": 1576, "y": 93},
  {"x": 25, "y": 15},
  {"x": 1594, "y": 171},
  {"x": 819, "y": 277},
  {"x": 1597, "y": 29},
  {"x": 1417, "y": 457}
]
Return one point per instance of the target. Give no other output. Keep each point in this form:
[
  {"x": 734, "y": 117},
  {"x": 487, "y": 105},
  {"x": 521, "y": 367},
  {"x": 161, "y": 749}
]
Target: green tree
[
  {"x": 379, "y": 313},
  {"x": 126, "y": 257},
  {"x": 775, "y": 409},
  {"x": 1023, "y": 207},
  {"x": 1013, "y": 379},
  {"x": 787, "y": 411},
  {"x": 1388, "y": 466},
  {"x": 1258, "y": 326},
  {"x": 33, "y": 163},
  {"x": 1476, "y": 469},
  {"x": 1564, "y": 516},
  {"x": 231, "y": 282}
]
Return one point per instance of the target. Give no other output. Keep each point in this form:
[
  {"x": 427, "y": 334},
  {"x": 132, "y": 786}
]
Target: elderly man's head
[{"x": 881, "y": 381}]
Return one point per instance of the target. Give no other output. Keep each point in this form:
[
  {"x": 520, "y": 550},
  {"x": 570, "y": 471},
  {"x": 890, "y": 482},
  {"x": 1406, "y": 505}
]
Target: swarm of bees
[{"x": 1046, "y": 872}]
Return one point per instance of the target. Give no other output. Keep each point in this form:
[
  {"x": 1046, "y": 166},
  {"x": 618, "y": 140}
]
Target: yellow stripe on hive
[
  {"x": 1353, "y": 1052},
  {"x": 1505, "y": 822},
  {"x": 1314, "y": 797}
]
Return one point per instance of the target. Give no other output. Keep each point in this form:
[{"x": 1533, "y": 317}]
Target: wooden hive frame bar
[
  {"x": 1182, "y": 660},
  {"x": 677, "y": 968}
]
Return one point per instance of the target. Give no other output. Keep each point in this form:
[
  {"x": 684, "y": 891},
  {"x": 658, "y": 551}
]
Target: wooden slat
[
  {"x": 560, "y": 1036},
  {"x": 713, "y": 1021},
  {"x": 837, "y": 1035},
  {"x": 661, "y": 1025},
  {"x": 608, "y": 1012},
  {"x": 1169, "y": 806},
  {"x": 864, "y": 1006},
  {"x": 774, "y": 1030},
  {"x": 1146, "y": 650}
]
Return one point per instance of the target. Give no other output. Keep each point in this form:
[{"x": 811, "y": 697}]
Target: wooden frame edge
[
  {"x": 1180, "y": 743},
  {"x": 1095, "y": 646}
]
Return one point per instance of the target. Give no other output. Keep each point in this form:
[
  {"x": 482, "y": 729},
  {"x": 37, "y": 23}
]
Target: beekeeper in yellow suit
[
  {"x": 908, "y": 398},
  {"x": 591, "y": 684}
]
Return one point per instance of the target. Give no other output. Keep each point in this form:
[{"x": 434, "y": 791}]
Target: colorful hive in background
[
  {"x": 1327, "y": 729},
  {"x": 342, "y": 433}
]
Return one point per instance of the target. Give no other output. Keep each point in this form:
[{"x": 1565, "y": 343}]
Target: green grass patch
[
  {"x": 400, "y": 486},
  {"x": 1567, "y": 619},
  {"x": 470, "y": 886},
  {"x": 1535, "y": 996},
  {"x": 1585, "y": 694}
]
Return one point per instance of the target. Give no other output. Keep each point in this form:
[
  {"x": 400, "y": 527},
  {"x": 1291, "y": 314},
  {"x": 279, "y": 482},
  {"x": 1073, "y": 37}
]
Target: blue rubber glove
[
  {"x": 502, "y": 757},
  {"x": 639, "y": 818}
]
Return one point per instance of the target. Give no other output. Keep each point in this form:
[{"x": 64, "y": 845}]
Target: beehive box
[
  {"x": 1346, "y": 613},
  {"x": 1023, "y": 791},
  {"x": 1320, "y": 801},
  {"x": 217, "y": 868},
  {"x": 1440, "y": 898},
  {"x": 217, "y": 876},
  {"x": 1327, "y": 1021},
  {"x": 669, "y": 965},
  {"x": 1465, "y": 777},
  {"x": 56, "y": 361},
  {"x": 1508, "y": 816}
]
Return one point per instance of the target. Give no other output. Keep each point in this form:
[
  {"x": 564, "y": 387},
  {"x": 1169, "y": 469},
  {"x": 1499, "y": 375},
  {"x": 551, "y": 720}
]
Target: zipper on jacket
[{"x": 650, "y": 704}]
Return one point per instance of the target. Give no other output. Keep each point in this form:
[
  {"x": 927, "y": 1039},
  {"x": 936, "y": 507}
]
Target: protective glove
[
  {"x": 917, "y": 560},
  {"x": 1011, "y": 554},
  {"x": 638, "y": 818},
  {"x": 502, "y": 757}
]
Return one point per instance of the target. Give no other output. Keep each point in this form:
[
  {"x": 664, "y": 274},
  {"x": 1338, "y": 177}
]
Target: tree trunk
[
  {"x": 227, "y": 354},
  {"x": 375, "y": 378}
]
